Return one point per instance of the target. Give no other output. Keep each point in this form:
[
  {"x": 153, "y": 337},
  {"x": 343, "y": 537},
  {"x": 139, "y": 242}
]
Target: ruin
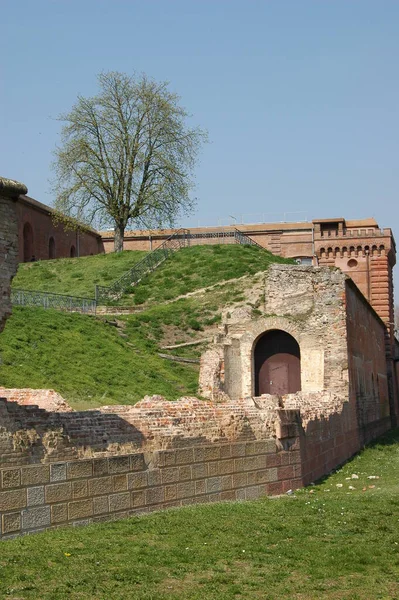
[{"x": 293, "y": 388}]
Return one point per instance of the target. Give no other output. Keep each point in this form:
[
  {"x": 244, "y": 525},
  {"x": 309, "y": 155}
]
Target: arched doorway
[
  {"x": 72, "y": 253},
  {"x": 277, "y": 364},
  {"x": 28, "y": 242},
  {"x": 51, "y": 248}
]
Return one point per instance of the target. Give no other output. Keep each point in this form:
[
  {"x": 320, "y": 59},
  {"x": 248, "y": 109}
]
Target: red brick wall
[
  {"x": 43, "y": 228},
  {"x": 368, "y": 382}
]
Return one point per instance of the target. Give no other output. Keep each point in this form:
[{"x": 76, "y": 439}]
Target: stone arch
[
  {"x": 28, "y": 242},
  {"x": 277, "y": 362},
  {"x": 51, "y": 247},
  {"x": 72, "y": 252}
]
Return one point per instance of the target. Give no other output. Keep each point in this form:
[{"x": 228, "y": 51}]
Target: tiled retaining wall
[{"x": 42, "y": 496}]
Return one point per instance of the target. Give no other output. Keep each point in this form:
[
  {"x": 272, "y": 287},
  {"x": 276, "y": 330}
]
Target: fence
[
  {"x": 149, "y": 263},
  {"x": 56, "y": 301},
  {"x": 132, "y": 277}
]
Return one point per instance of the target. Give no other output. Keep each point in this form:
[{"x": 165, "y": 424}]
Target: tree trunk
[{"x": 119, "y": 233}]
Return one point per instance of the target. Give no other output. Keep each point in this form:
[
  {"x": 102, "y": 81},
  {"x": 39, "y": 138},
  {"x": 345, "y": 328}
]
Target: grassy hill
[
  {"x": 75, "y": 276},
  {"x": 326, "y": 542},
  {"x": 93, "y": 362}
]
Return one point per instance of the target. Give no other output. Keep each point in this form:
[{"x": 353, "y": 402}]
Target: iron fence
[
  {"x": 57, "y": 301},
  {"x": 148, "y": 264}
]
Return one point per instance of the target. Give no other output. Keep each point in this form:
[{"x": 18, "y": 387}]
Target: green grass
[
  {"x": 194, "y": 268},
  {"x": 91, "y": 363},
  {"x": 87, "y": 360},
  {"x": 336, "y": 545},
  {"x": 75, "y": 276}
]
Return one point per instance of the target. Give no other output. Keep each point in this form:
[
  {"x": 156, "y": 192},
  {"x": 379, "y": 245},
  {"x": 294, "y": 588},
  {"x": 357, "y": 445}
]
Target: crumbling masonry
[{"x": 293, "y": 388}]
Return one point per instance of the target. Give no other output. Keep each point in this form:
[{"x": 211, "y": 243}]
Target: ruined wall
[
  {"x": 37, "y": 497},
  {"x": 306, "y": 302},
  {"x": 9, "y": 191}
]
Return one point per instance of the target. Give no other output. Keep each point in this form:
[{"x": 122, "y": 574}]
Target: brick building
[{"x": 41, "y": 237}]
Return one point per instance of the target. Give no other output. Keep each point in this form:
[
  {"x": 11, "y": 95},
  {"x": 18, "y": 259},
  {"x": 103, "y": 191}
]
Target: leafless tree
[{"x": 126, "y": 156}]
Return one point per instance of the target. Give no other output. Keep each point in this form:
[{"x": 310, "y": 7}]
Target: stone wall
[
  {"x": 37, "y": 497},
  {"x": 306, "y": 302},
  {"x": 9, "y": 192}
]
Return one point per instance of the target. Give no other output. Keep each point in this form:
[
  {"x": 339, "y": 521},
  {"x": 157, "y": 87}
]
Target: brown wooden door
[{"x": 277, "y": 364}]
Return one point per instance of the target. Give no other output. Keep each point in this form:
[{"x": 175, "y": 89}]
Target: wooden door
[{"x": 277, "y": 364}]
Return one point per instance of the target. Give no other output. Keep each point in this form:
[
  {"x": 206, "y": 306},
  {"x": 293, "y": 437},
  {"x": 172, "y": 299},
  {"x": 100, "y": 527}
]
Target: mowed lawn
[{"x": 328, "y": 541}]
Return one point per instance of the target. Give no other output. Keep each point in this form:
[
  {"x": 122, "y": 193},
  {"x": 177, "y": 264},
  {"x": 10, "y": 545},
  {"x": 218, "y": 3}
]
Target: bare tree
[{"x": 127, "y": 156}]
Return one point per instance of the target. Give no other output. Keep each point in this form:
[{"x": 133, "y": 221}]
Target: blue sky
[{"x": 300, "y": 98}]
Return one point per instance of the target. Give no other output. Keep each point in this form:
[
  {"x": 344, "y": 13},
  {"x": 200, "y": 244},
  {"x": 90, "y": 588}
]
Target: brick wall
[
  {"x": 9, "y": 191},
  {"x": 37, "y": 497},
  {"x": 39, "y": 219}
]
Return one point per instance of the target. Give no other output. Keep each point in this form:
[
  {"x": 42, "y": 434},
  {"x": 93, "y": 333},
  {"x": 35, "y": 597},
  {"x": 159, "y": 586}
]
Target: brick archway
[
  {"x": 28, "y": 242},
  {"x": 277, "y": 361}
]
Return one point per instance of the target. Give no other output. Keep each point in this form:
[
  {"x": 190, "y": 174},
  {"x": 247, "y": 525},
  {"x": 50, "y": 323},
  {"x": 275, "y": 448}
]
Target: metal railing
[
  {"x": 57, "y": 301},
  {"x": 149, "y": 263},
  {"x": 104, "y": 294}
]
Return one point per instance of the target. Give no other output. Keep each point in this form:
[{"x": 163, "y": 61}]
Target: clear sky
[{"x": 300, "y": 98}]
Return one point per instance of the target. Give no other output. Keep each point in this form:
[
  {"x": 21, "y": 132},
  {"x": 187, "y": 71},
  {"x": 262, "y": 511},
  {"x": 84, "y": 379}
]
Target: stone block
[
  {"x": 185, "y": 489},
  {"x": 119, "y": 502},
  {"x": 154, "y": 477},
  {"x": 253, "y": 492},
  {"x": 79, "y": 469},
  {"x": 170, "y": 474},
  {"x": 59, "y": 513},
  {"x": 251, "y": 477},
  {"x": 12, "y": 500},
  {"x": 79, "y": 489},
  {"x": 119, "y": 464},
  {"x": 100, "y": 505},
  {"x": 137, "y": 462},
  {"x": 199, "y": 471},
  {"x": 154, "y": 495},
  {"x": 226, "y": 482},
  {"x": 11, "y": 522},
  {"x": 170, "y": 492},
  {"x": 119, "y": 483},
  {"x": 228, "y": 495},
  {"x": 57, "y": 472},
  {"x": 35, "y": 474},
  {"x": 240, "y": 494},
  {"x": 213, "y": 484},
  {"x": 35, "y": 495},
  {"x": 273, "y": 460},
  {"x": 10, "y": 478},
  {"x": 262, "y": 476},
  {"x": 275, "y": 488},
  {"x": 251, "y": 448},
  {"x": 225, "y": 451},
  {"x": 100, "y": 486},
  {"x": 239, "y": 465},
  {"x": 58, "y": 492},
  {"x": 285, "y": 472},
  {"x": 184, "y": 456},
  {"x": 100, "y": 467},
  {"x": 138, "y": 498},
  {"x": 184, "y": 473},
  {"x": 80, "y": 509},
  {"x": 239, "y": 480},
  {"x": 33, "y": 518},
  {"x": 167, "y": 458},
  {"x": 272, "y": 475},
  {"x": 137, "y": 480},
  {"x": 199, "y": 454},
  {"x": 211, "y": 453},
  {"x": 200, "y": 487},
  {"x": 237, "y": 449},
  {"x": 213, "y": 468},
  {"x": 226, "y": 466}
]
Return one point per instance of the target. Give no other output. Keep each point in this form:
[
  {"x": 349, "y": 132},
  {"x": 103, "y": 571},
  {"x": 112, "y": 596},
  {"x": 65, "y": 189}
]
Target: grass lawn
[
  {"x": 75, "y": 276},
  {"x": 327, "y": 542},
  {"x": 87, "y": 360}
]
